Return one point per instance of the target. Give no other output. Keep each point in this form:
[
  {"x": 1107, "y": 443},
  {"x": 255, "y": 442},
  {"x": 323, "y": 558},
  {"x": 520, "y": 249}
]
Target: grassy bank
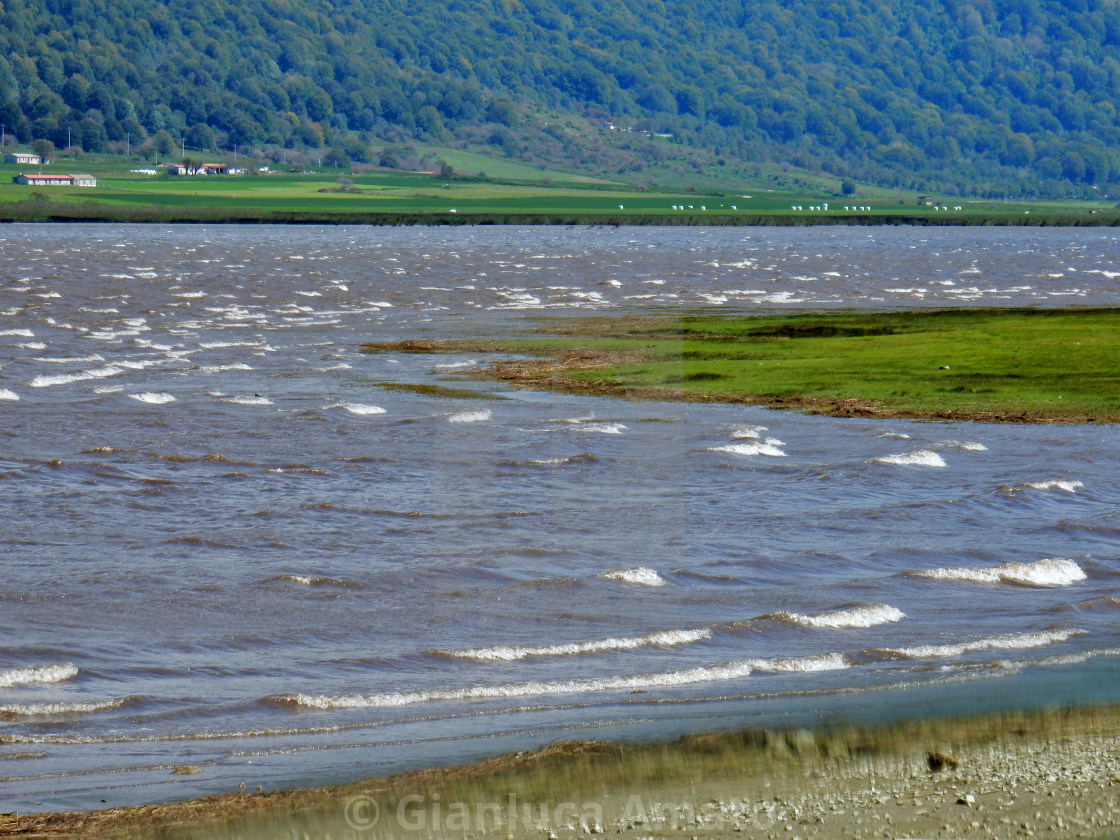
[
  {"x": 1047, "y": 774},
  {"x": 509, "y": 194},
  {"x": 994, "y": 365}
]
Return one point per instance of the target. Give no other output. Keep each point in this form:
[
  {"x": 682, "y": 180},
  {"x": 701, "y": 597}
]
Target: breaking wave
[
  {"x": 870, "y": 615},
  {"x": 153, "y": 398},
  {"x": 666, "y": 638},
  {"x": 921, "y": 458},
  {"x": 639, "y": 575},
  {"x": 38, "y": 674},
  {"x": 43, "y": 709},
  {"x": 360, "y": 409},
  {"x": 1064, "y": 486},
  {"x": 1013, "y": 641},
  {"x": 470, "y": 416},
  {"x": 638, "y": 682},
  {"x": 766, "y": 447},
  {"x": 1049, "y": 572}
]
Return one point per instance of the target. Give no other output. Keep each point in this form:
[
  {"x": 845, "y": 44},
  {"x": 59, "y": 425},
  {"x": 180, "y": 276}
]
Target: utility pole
[{"x": 127, "y": 144}]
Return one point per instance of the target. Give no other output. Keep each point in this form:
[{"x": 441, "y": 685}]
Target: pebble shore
[{"x": 1052, "y": 775}]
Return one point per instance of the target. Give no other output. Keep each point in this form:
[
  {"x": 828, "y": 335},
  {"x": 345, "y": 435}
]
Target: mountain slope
[{"x": 986, "y": 96}]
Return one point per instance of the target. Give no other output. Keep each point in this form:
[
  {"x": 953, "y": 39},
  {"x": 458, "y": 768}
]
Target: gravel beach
[{"x": 1045, "y": 775}]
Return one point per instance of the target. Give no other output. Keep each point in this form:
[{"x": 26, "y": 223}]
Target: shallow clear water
[{"x": 226, "y": 546}]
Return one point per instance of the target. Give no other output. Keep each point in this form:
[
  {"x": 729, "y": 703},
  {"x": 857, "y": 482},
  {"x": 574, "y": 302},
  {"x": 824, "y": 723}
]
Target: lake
[{"x": 227, "y": 544}]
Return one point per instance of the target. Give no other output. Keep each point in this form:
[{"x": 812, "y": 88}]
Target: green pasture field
[
  {"x": 511, "y": 192},
  {"x": 995, "y": 365}
]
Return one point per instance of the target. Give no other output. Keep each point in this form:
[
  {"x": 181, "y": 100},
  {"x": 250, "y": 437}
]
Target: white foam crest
[
  {"x": 7, "y": 394},
  {"x": 602, "y": 428},
  {"x": 967, "y": 446},
  {"x": 79, "y": 360},
  {"x": 1011, "y": 641},
  {"x": 1055, "y": 484},
  {"x": 689, "y": 676},
  {"x": 803, "y": 664},
  {"x": 639, "y": 575},
  {"x": 68, "y": 378},
  {"x": 248, "y": 400},
  {"x": 359, "y": 409},
  {"x": 665, "y": 638},
  {"x": 748, "y": 432},
  {"x": 212, "y": 369},
  {"x": 921, "y": 458},
  {"x": 752, "y": 449},
  {"x": 870, "y": 615},
  {"x": 153, "y": 397},
  {"x": 1049, "y": 572},
  {"x": 639, "y": 682},
  {"x": 470, "y": 416},
  {"x": 456, "y": 365},
  {"x": 33, "y": 709},
  {"x": 38, "y": 674}
]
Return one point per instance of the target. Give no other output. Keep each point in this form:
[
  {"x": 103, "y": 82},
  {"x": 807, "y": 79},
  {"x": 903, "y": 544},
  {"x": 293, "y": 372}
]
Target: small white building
[{"x": 23, "y": 158}]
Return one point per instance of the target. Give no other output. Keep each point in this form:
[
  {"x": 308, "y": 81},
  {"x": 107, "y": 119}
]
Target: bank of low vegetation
[{"x": 991, "y": 365}]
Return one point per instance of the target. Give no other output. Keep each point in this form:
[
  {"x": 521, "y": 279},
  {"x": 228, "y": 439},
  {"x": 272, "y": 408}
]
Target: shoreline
[
  {"x": 62, "y": 212},
  {"x": 1049, "y": 774}
]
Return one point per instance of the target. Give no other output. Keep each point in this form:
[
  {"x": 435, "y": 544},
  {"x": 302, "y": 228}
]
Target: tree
[
  {"x": 847, "y": 187},
  {"x": 199, "y": 136},
  {"x": 44, "y": 149},
  {"x": 163, "y": 143}
]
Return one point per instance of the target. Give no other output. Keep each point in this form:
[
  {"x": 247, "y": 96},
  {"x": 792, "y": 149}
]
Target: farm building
[
  {"x": 40, "y": 180},
  {"x": 25, "y": 158}
]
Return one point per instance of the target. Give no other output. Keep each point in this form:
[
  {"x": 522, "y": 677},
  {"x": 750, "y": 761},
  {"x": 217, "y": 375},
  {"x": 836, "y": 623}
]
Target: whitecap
[
  {"x": 921, "y": 458},
  {"x": 869, "y": 615},
  {"x": 19, "y": 332},
  {"x": 359, "y": 409},
  {"x": 255, "y": 400},
  {"x": 966, "y": 445},
  {"x": 510, "y": 653},
  {"x": 639, "y": 575},
  {"x": 1012, "y": 641},
  {"x": 470, "y": 416},
  {"x": 38, "y": 709},
  {"x": 153, "y": 398},
  {"x": 1050, "y": 572},
  {"x": 211, "y": 369},
  {"x": 602, "y": 428},
  {"x": 639, "y": 682},
  {"x": 768, "y": 447},
  {"x": 1055, "y": 484},
  {"x": 7, "y": 394},
  {"x": 37, "y": 674},
  {"x": 748, "y": 432}
]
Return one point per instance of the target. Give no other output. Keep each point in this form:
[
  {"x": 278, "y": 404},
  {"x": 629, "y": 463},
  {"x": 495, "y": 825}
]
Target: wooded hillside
[{"x": 983, "y": 96}]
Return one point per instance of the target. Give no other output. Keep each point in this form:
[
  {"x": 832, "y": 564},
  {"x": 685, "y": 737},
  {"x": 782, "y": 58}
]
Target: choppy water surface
[{"x": 225, "y": 545}]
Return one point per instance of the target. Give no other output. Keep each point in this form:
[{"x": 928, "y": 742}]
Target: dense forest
[{"x": 973, "y": 96}]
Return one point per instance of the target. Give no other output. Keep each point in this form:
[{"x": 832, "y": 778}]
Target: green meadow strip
[{"x": 992, "y": 365}]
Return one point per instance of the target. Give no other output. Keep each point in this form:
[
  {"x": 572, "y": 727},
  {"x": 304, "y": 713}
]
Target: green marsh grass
[{"x": 1008, "y": 365}]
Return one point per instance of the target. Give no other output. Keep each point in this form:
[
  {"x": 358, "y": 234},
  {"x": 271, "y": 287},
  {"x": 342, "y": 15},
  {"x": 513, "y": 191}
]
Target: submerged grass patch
[
  {"x": 1000, "y": 365},
  {"x": 439, "y": 391}
]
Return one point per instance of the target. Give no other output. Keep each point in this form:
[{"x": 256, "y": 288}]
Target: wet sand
[{"x": 1045, "y": 775}]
